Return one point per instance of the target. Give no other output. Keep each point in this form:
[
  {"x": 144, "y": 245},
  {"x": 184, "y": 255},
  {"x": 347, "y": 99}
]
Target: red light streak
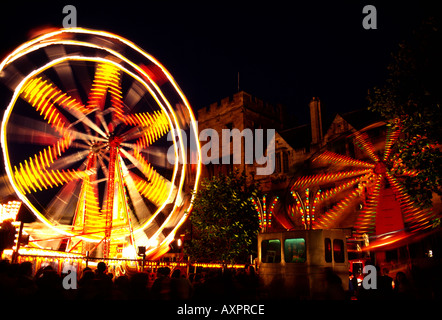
[
  {"x": 331, "y": 157},
  {"x": 327, "y": 178}
]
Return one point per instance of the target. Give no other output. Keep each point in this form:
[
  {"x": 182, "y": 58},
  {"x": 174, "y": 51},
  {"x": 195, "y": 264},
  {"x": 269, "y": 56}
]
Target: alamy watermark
[
  {"x": 370, "y": 277},
  {"x": 70, "y": 20},
  {"x": 70, "y": 279},
  {"x": 370, "y": 20},
  {"x": 232, "y": 147},
  {"x": 228, "y": 149}
]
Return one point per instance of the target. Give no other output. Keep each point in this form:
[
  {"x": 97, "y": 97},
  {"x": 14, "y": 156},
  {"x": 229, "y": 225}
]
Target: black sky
[{"x": 286, "y": 52}]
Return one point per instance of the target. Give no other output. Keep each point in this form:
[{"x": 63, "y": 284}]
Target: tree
[
  {"x": 224, "y": 223},
  {"x": 411, "y": 99}
]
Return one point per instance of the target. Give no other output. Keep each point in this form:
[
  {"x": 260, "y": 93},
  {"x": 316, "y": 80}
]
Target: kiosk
[{"x": 302, "y": 264}]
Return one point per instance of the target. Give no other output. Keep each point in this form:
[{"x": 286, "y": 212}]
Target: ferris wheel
[
  {"x": 94, "y": 140},
  {"x": 366, "y": 194}
]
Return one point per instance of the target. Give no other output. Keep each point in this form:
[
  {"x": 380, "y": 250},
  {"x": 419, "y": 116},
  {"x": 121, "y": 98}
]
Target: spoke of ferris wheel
[
  {"x": 79, "y": 145},
  {"x": 63, "y": 70},
  {"x": 141, "y": 166},
  {"x": 104, "y": 156},
  {"x": 103, "y": 166},
  {"x": 39, "y": 94},
  {"x": 159, "y": 152},
  {"x": 29, "y": 179},
  {"x": 133, "y": 160},
  {"x": 103, "y": 122},
  {"x": 43, "y": 95},
  {"x": 141, "y": 209},
  {"x": 32, "y": 173},
  {"x": 61, "y": 203},
  {"x": 152, "y": 126},
  {"x": 157, "y": 156},
  {"x": 134, "y": 94},
  {"x": 67, "y": 161},
  {"x": 133, "y": 133},
  {"x": 156, "y": 188},
  {"x": 87, "y": 137},
  {"x": 107, "y": 81},
  {"x": 365, "y": 222},
  {"x": 81, "y": 117},
  {"x": 414, "y": 214},
  {"x": 31, "y": 130},
  {"x": 32, "y": 136},
  {"x": 364, "y": 144}
]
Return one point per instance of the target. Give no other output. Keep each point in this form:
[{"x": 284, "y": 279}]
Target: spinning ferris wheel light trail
[
  {"x": 365, "y": 188},
  {"x": 88, "y": 106}
]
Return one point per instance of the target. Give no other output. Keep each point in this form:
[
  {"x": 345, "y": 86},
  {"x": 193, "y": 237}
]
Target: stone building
[
  {"x": 294, "y": 145},
  {"x": 241, "y": 112},
  {"x": 295, "y": 148}
]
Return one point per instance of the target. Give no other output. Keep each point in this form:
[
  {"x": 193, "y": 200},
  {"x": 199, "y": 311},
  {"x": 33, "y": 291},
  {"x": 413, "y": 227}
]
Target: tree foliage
[
  {"x": 411, "y": 98},
  {"x": 224, "y": 223}
]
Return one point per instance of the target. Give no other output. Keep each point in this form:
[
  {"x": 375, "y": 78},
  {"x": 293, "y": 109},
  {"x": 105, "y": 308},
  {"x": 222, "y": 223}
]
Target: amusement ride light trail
[
  {"x": 371, "y": 188},
  {"x": 85, "y": 133}
]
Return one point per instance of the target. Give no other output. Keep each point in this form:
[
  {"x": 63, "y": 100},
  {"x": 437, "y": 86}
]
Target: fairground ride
[
  {"x": 365, "y": 193},
  {"x": 94, "y": 140}
]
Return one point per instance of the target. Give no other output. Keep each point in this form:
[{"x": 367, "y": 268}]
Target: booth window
[
  {"x": 271, "y": 251},
  {"x": 328, "y": 250},
  {"x": 338, "y": 250},
  {"x": 294, "y": 250}
]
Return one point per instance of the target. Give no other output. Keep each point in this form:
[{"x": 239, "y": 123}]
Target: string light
[{"x": 264, "y": 217}]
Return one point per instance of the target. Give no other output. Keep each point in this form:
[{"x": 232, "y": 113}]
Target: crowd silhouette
[{"x": 18, "y": 281}]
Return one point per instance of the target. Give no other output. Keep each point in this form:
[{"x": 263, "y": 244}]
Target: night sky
[{"x": 285, "y": 52}]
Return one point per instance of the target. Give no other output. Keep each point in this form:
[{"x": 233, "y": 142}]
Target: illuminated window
[
  {"x": 271, "y": 251},
  {"x": 338, "y": 250},
  {"x": 294, "y": 250},
  {"x": 328, "y": 250}
]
